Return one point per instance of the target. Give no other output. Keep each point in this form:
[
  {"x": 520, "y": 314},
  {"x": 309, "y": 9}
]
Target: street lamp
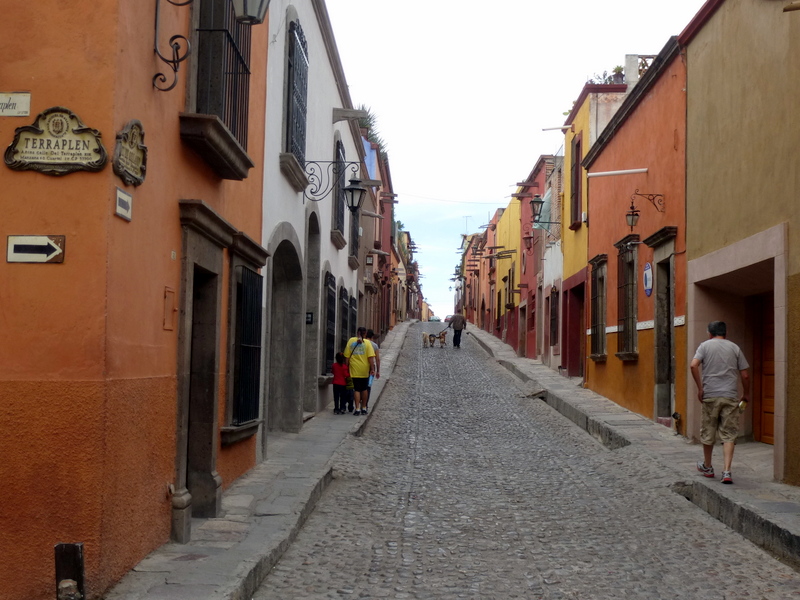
[
  {"x": 326, "y": 176},
  {"x": 536, "y": 210},
  {"x": 250, "y": 12},
  {"x": 354, "y": 195},
  {"x": 632, "y": 216}
]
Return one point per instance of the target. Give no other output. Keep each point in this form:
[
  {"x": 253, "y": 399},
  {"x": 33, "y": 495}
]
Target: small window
[
  {"x": 330, "y": 322},
  {"x": 598, "y": 307},
  {"x": 216, "y": 122},
  {"x": 297, "y": 92},
  {"x": 339, "y": 207},
  {"x": 344, "y": 313},
  {"x": 353, "y": 315},
  {"x": 554, "y": 317},
  {"x": 576, "y": 179},
  {"x": 247, "y": 346},
  {"x": 355, "y": 228},
  {"x": 626, "y": 302},
  {"x": 223, "y": 67}
]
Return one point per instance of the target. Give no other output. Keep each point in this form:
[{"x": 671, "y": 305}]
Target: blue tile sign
[{"x": 647, "y": 279}]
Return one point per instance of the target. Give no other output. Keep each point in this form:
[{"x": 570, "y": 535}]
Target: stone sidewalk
[
  {"x": 765, "y": 512},
  {"x": 262, "y": 512}
]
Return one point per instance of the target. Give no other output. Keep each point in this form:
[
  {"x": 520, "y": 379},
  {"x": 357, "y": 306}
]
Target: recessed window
[
  {"x": 339, "y": 205},
  {"x": 554, "y": 317},
  {"x": 296, "y": 92},
  {"x": 217, "y": 121},
  {"x": 247, "y": 346},
  {"x": 330, "y": 322},
  {"x": 598, "y": 291},
  {"x": 576, "y": 180},
  {"x": 626, "y": 301},
  {"x": 344, "y": 314}
]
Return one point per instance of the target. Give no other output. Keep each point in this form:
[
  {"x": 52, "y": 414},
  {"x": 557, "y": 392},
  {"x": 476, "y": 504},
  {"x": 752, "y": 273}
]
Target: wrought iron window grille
[{"x": 223, "y": 72}]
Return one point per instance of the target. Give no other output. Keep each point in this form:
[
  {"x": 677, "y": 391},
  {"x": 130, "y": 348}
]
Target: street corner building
[{"x": 132, "y": 210}]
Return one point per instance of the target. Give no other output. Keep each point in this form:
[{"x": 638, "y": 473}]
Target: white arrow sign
[{"x": 36, "y": 248}]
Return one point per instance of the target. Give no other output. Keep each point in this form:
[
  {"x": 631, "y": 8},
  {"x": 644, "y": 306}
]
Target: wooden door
[{"x": 764, "y": 371}]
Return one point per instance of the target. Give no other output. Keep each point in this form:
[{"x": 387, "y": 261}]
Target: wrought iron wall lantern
[
  {"x": 657, "y": 200},
  {"x": 323, "y": 176},
  {"x": 527, "y": 237},
  {"x": 536, "y": 210},
  {"x": 632, "y": 216},
  {"x": 527, "y": 241},
  {"x": 248, "y": 12}
]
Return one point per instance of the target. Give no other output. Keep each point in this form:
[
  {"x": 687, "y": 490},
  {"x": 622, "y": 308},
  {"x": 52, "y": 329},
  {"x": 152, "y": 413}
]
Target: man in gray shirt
[{"x": 722, "y": 364}]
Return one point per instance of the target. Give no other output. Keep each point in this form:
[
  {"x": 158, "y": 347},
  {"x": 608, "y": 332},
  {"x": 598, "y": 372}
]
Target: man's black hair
[{"x": 718, "y": 328}]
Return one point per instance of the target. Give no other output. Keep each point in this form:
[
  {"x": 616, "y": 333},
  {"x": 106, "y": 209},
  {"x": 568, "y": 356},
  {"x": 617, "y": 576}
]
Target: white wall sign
[
  {"x": 124, "y": 205},
  {"x": 36, "y": 248},
  {"x": 15, "y": 104},
  {"x": 647, "y": 279}
]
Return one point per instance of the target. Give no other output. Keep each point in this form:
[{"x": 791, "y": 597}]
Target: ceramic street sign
[
  {"x": 36, "y": 248},
  {"x": 57, "y": 143}
]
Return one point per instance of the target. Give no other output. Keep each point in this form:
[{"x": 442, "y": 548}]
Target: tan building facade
[{"x": 742, "y": 188}]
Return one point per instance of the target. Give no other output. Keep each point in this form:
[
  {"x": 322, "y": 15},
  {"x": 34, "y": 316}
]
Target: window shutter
[{"x": 247, "y": 370}]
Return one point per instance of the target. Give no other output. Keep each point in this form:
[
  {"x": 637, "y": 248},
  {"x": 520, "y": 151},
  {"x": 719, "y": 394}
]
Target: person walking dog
[
  {"x": 716, "y": 368},
  {"x": 458, "y": 323}
]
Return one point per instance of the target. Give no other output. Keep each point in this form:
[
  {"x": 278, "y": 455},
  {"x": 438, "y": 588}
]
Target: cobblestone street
[{"x": 464, "y": 486}]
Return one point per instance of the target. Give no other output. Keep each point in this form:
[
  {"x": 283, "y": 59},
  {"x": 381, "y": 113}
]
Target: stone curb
[{"x": 247, "y": 582}]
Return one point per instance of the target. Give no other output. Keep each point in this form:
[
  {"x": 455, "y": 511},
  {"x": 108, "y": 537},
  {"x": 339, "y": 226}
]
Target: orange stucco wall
[
  {"x": 652, "y": 137},
  {"x": 88, "y": 375},
  {"x": 631, "y": 384}
]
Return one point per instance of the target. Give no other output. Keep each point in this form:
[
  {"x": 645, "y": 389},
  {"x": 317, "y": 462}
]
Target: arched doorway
[
  {"x": 314, "y": 364},
  {"x": 286, "y": 340}
]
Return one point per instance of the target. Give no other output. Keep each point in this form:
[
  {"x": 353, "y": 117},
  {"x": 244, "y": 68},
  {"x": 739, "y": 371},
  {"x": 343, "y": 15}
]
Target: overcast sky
[{"x": 462, "y": 90}]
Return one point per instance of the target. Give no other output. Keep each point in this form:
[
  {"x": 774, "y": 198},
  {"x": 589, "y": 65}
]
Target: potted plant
[{"x": 618, "y": 74}]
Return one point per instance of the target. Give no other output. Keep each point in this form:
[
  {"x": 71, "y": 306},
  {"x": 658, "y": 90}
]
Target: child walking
[{"x": 340, "y": 374}]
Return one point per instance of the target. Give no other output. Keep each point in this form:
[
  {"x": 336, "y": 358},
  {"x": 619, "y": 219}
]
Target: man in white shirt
[{"x": 722, "y": 364}]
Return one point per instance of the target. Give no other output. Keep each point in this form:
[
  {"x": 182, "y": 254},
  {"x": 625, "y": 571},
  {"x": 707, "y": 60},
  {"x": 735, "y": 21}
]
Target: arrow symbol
[
  {"x": 49, "y": 249},
  {"x": 37, "y": 248}
]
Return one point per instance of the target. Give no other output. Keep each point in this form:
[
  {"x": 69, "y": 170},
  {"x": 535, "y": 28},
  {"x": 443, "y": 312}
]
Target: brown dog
[
  {"x": 442, "y": 339},
  {"x": 428, "y": 339}
]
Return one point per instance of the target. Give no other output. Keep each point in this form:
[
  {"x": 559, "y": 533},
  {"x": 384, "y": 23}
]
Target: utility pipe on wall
[{"x": 624, "y": 172}]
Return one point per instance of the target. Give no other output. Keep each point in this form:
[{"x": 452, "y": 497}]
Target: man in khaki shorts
[{"x": 722, "y": 364}]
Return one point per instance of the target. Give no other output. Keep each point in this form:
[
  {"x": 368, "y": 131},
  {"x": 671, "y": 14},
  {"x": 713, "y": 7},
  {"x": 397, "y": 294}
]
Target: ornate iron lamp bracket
[
  {"x": 323, "y": 176},
  {"x": 181, "y": 49},
  {"x": 657, "y": 200}
]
